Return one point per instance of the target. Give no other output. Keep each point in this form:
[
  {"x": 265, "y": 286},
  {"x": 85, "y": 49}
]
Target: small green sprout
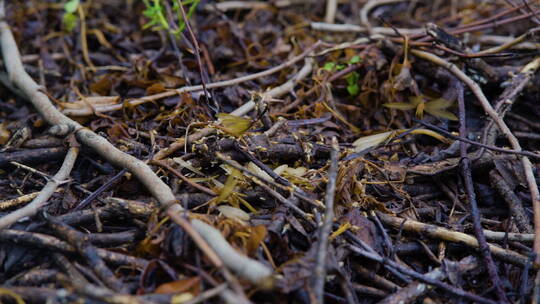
[
  {"x": 70, "y": 19},
  {"x": 352, "y": 78},
  {"x": 352, "y": 83},
  {"x": 155, "y": 12}
]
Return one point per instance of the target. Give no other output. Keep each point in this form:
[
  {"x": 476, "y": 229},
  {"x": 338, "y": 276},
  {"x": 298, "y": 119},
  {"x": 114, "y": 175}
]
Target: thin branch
[
  {"x": 422, "y": 277},
  {"x": 47, "y": 242},
  {"x": 245, "y": 267},
  {"x": 371, "y": 4},
  {"x": 411, "y": 292},
  {"x": 436, "y": 232},
  {"x": 248, "y": 5},
  {"x": 202, "y": 72},
  {"x": 45, "y": 193},
  {"x": 331, "y": 8},
  {"x": 81, "y": 243},
  {"x": 347, "y": 28},
  {"x": 475, "y": 143},
  {"x": 326, "y": 228},
  {"x": 471, "y": 196}
]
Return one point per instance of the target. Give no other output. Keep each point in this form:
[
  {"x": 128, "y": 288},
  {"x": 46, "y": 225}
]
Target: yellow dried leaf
[
  {"x": 245, "y": 203},
  {"x": 430, "y": 133},
  {"x": 253, "y": 168},
  {"x": 371, "y": 141},
  {"x": 285, "y": 169},
  {"x": 230, "y": 183},
  {"x": 443, "y": 114},
  {"x": 257, "y": 236},
  {"x": 181, "y": 298},
  {"x": 439, "y": 103},
  {"x": 187, "y": 165},
  {"x": 4, "y": 133},
  {"x": 437, "y": 107},
  {"x": 416, "y": 100},
  {"x": 191, "y": 285},
  {"x": 234, "y": 125},
  {"x": 400, "y": 105},
  {"x": 420, "y": 110},
  {"x": 233, "y": 213},
  {"x": 342, "y": 228},
  {"x": 155, "y": 89},
  {"x": 6, "y": 292}
]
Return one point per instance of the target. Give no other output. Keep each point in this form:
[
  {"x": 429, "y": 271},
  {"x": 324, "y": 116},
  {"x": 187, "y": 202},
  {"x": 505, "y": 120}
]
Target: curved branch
[{"x": 45, "y": 193}]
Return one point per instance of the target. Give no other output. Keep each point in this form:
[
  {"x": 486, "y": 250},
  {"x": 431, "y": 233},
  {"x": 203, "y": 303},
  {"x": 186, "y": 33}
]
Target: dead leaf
[
  {"x": 233, "y": 213},
  {"x": 234, "y": 125},
  {"x": 4, "y": 133},
  {"x": 155, "y": 89},
  {"x": 191, "y": 285},
  {"x": 257, "y": 236}
]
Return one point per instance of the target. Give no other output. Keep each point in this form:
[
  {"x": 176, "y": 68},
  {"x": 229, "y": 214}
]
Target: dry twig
[
  {"x": 326, "y": 227},
  {"x": 45, "y": 193},
  {"x": 451, "y": 236}
]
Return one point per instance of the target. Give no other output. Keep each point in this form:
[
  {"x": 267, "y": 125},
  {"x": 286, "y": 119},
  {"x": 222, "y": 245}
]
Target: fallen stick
[
  {"x": 347, "y": 28},
  {"x": 319, "y": 273},
  {"x": 40, "y": 240},
  {"x": 411, "y": 292},
  {"x": 433, "y": 231}
]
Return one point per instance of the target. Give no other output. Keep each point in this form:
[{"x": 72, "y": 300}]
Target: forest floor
[{"x": 285, "y": 151}]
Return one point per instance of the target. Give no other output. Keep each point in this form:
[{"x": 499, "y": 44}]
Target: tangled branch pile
[{"x": 388, "y": 154}]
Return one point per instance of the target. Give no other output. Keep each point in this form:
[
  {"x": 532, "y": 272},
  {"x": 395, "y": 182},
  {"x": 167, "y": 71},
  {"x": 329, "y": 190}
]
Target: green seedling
[
  {"x": 155, "y": 12},
  {"x": 70, "y": 19},
  {"x": 351, "y": 78}
]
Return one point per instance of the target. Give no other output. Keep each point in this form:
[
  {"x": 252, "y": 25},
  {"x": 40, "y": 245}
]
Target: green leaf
[
  {"x": 329, "y": 66},
  {"x": 352, "y": 78},
  {"x": 353, "y": 89},
  {"x": 69, "y": 21},
  {"x": 352, "y": 83},
  {"x": 71, "y": 6},
  {"x": 355, "y": 59}
]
